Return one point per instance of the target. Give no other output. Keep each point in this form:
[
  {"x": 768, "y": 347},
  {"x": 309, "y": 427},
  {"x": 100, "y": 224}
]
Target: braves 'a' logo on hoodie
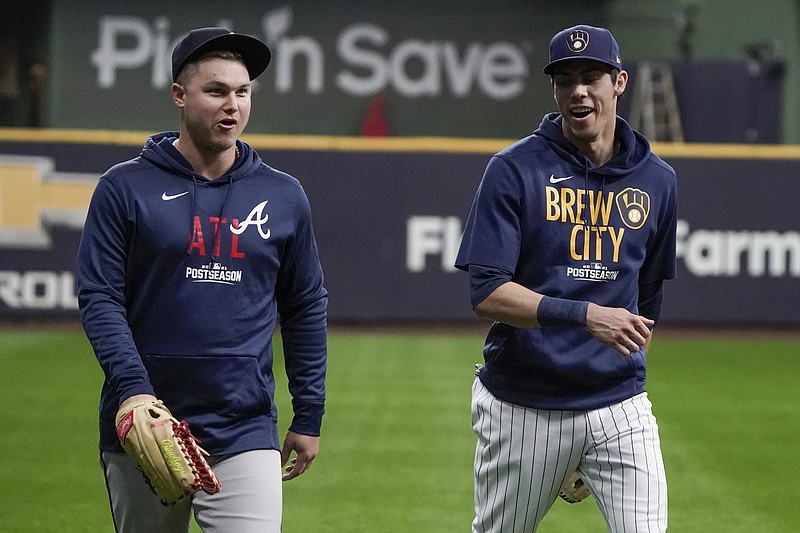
[
  {"x": 216, "y": 272},
  {"x": 258, "y": 218}
]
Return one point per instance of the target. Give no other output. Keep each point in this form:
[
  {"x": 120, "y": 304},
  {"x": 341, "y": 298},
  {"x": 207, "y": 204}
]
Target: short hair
[{"x": 191, "y": 67}]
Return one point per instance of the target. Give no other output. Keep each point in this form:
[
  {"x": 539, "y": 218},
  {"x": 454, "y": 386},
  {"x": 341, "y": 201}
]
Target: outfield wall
[
  {"x": 388, "y": 215},
  {"x": 458, "y": 68}
]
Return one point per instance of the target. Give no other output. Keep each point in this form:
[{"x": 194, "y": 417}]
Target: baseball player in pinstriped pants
[{"x": 570, "y": 236}]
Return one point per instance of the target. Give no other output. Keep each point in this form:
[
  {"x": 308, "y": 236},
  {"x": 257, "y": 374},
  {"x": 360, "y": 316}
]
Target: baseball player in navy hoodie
[
  {"x": 191, "y": 255},
  {"x": 569, "y": 238}
]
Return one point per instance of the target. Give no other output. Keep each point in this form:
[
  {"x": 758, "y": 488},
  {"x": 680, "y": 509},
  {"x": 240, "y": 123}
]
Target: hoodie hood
[
  {"x": 160, "y": 151},
  {"x": 634, "y": 149}
]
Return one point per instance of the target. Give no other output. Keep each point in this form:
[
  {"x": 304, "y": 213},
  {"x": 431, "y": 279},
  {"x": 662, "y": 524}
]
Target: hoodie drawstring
[
  {"x": 600, "y": 198},
  {"x": 194, "y": 212},
  {"x": 192, "y": 216},
  {"x": 193, "y": 233},
  {"x": 221, "y": 218}
]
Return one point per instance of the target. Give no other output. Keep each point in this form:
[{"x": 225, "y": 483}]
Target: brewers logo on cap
[
  {"x": 578, "y": 40},
  {"x": 583, "y": 42}
]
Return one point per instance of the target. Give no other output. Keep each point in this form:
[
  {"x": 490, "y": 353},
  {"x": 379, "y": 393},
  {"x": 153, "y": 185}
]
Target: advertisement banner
[
  {"x": 389, "y": 217},
  {"x": 451, "y": 67}
]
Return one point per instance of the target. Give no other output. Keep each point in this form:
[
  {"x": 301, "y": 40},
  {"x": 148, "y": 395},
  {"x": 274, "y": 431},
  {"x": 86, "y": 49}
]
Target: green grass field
[{"x": 397, "y": 445}]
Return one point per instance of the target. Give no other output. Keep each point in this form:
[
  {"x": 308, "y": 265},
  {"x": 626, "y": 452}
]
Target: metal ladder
[{"x": 654, "y": 110}]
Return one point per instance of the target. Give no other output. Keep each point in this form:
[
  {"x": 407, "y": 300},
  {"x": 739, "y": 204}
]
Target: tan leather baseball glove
[
  {"x": 574, "y": 489},
  {"x": 165, "y": 451}
]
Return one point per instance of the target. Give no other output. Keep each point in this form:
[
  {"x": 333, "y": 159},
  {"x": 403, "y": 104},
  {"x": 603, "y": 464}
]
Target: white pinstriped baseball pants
[{"x": 524, "y": 455}]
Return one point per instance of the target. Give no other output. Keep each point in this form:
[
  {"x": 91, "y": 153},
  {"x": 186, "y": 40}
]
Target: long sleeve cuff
[{"x": 307, "y": 418}]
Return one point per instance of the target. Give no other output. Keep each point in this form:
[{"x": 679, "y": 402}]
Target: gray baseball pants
[{"x": 250, "y": 500}]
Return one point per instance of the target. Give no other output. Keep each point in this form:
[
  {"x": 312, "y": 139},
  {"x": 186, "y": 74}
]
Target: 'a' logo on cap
[{"x": 578, "y": 40}]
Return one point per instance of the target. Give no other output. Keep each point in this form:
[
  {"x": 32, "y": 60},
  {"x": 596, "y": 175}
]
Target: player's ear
[
  {"x": 178, "y": 94},
  {"x": 620, "y": 83}
]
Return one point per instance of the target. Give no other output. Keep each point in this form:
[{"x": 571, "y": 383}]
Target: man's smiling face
[{"x": 586, "y": 94}]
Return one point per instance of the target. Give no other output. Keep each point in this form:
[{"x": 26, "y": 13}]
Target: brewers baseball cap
[
  {"x": 256, "y": 54},
  {"x": 583, "y": 42}
]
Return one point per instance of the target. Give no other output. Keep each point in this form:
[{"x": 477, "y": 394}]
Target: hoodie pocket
[{"x": 230, "y": 386}]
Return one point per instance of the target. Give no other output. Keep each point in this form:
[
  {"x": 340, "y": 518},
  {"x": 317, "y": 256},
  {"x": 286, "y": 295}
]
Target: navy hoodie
[
  {"x": 181, "y": 283},
  {"x": 556, "y": 224}
]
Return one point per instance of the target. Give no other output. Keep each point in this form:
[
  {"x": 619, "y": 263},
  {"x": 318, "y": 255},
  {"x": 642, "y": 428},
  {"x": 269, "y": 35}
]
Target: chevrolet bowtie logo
[{"x": 33, "y": 195}]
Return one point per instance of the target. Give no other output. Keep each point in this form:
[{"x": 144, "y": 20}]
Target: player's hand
[
  {"x": 138, "y": 398},
  {"x": 618, "y": 328},
  {"x": 306, "y": 449}
]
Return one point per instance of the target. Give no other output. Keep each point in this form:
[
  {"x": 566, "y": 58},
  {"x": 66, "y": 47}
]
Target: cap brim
[
  {"x": 256, "y": 54},
  {"x": 548, "y": 69}
]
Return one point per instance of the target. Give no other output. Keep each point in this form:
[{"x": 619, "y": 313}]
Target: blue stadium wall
[{"x": 388, "y": 215}]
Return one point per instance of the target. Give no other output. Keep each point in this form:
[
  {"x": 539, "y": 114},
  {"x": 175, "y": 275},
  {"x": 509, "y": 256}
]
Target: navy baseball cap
[
  {"x": 256, "y": 54},
  {"x": 583, "y": 42}
]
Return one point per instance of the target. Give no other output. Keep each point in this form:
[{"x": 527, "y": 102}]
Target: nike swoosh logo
[
  {"x": 554, "y": 179},
  {"x": 168, "y": 197}
]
